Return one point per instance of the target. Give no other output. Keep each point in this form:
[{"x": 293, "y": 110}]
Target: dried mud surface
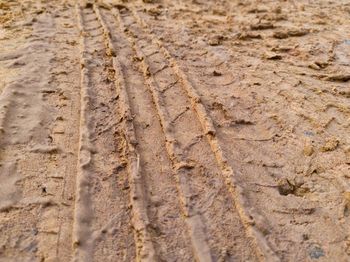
[{"x": 161, "y": 130}]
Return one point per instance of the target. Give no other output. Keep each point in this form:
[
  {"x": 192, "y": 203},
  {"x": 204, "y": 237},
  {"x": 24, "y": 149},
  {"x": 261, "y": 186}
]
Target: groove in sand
[{"x": 83, "y": 213}]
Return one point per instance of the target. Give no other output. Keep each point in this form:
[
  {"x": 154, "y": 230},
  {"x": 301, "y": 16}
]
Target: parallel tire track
[
  {"x": 194, "y": 221},
  {"x": 165, "y": 218},
  {"x": 247, "y": 214},
  {"x": 212, "y": 221},
  {"x": 145, "y": 249},
  {"x": 101, "y": 210},
  {"x": 177, "y": 150}
]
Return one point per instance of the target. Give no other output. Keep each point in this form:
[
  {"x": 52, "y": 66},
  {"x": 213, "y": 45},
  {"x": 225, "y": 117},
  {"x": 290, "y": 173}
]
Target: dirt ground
[{"x": 174, "y": 130}]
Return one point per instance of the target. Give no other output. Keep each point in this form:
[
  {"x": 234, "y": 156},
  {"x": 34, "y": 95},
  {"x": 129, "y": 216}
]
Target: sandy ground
[{"x": 174, "y": 130}]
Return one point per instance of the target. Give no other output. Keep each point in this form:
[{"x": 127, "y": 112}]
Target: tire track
[
  {"x": 183, "y": 144},
  {"x": 167, "y": 228},
  {"x": 248, "y": 216},
  {"x": 194, "y": 219},
  {"x": 144, "y": 245},
  {"x": 82, "y": 212},
  {"x": 101, "y": 228}
]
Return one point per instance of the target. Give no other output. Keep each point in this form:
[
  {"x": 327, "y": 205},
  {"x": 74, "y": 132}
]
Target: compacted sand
[{"x": 175, "y": 130}]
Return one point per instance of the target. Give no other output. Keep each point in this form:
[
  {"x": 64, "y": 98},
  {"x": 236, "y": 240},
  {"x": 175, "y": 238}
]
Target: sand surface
[{"x": 174, "y": 130}]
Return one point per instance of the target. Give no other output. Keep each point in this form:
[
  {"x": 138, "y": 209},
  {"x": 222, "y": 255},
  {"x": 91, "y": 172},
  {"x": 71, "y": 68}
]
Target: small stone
[
  {"x": 314, "y": 66},
  {"x": 308, "y": 149},
  {"x": 216, "y": 73},
  {"x": 285, "y": 187},
  {"x": 316, "y": 252},
  {"x": 330, "y": 145}
]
